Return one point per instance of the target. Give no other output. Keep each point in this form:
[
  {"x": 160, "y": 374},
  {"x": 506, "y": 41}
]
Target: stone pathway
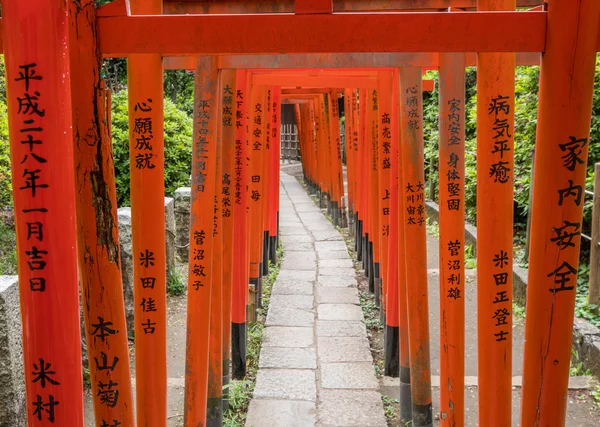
[{"x": 315, "y": 366}]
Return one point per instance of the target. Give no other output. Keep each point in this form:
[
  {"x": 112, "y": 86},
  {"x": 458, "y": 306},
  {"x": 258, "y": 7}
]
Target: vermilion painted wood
[
  {"x": 206, "y": 111},
  {"x": 240, "y": 273},
  {"x": 388, "y": 133},
  {"x": 227, "y": 194},
  {"x": 452, "y": 223},
  {"x": 214, "y": 411},
  {"x": 97, "y": 224},
  {"x": 422, "y": 32},
  {"x": 495, "y": 173},
  {"x": 413, "y": 196},
  {"x": 565, "y": 102},
  {"x": 275, "y": 120},
  {"x": 37, "y": 69}
]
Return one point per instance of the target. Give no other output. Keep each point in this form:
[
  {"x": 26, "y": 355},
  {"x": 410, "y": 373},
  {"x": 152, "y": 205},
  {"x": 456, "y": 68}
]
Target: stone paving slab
[
  {"x": 358, "y": 375},
  {"x": 336, "y": 245},
  {"x": 327, "y": 295},
  {"x": 300, "y": 260},
  {"x": 288, "y": 336},
  {"x": 335, "y": 263},
  {"x": 279, "y": 413},
  {"x": 339, "y": 312},
  {"x": 326, "y": 234},
  {"x": 338, "y": 271},
  {"x": 333, "y": 254},
  {"x": 299, "y": 275},
  {"x": 287, "y": 384},
  {"x": 344, "y": 349},
  {"x": 340, "y": 328},
  {"x": 299, "y": 246},
  {"x": 292, "y": 287},
  {"x": 351, "y": 408},
  {"x": 304, "y": 302},
  {"x": 287, "y": 358},
  {"x": 290, "y": 239},
  {"x": 284, "y": 316}
]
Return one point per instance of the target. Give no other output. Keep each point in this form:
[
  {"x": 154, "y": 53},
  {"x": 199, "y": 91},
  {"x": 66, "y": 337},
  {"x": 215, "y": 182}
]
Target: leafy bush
[
  {"x": 5, "y": 173},
  {"x": 178, "y": 147}
]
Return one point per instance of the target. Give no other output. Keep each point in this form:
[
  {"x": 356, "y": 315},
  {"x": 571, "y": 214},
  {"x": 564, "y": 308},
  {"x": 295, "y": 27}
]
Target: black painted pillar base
[
  {"x": 273, "y": 249},
  {"x": 329, "y": 205},
  {"x": 365, "y": 251},
  {"x": 239, "y": 346},
  {"x": 226, "y": 363},
  {"x": 422, "y": 415},
  {"x": 405, "y": 396},
  {"x": 214, "y": 412},
  {"x": 371, "y": 269},
  {"x": 391, "y": 365},
  {"x": 358, "y": 239},
  {"x": 265, "y": 258},
  {"x": 258, "y": 294},
  {"x": 336, "y": 214},
  {"x": 377, "y": 283}
]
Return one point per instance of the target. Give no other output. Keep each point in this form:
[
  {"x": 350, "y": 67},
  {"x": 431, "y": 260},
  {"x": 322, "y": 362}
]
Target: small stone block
[
  {"x": 288, "y": 336},
  {"x": 359, "y": 375},
  {"x": 339, "y": 312},
  {"x": 292, "y": 384},
  {"x": 351, "y": 408},
  {"x": 344, "y": 349},
  {"x": 287, "y": 358},
  {"x": 278, "y": 413}
]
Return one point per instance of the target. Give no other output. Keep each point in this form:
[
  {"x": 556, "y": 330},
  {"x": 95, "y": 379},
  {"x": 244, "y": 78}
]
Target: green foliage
[
  {"x": 8, "y": 247},
  {"x": 178, "y": 147},
  {"x": 582, "y": 308},
  {"x": 470, "y": 257},
  {"x": 5, "y": 172},
  {"x": 175, "y": 282}
]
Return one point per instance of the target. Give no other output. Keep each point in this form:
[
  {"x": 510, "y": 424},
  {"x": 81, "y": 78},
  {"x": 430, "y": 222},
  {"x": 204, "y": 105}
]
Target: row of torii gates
[{"x": 64, "y": 187}]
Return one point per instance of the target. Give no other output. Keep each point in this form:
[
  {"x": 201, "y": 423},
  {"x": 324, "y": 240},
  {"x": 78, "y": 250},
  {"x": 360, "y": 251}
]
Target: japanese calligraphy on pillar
[
  {"x": 199, "y": 257},
  {"x": 32, "y": 182},
  {"x": 500, "y": 172},
  {"x": 415, "y": 191},
  {"x": 257, "y": 147},
  {"x": 567, "y": 234},
  {"x": 454, "y": 194},
  {"x": 227, "y": 115},
  {"x": 239, "y": 123}
]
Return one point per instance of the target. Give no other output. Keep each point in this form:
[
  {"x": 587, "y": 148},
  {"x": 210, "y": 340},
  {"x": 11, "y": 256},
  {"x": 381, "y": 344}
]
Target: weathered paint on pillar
[
  {"x": 36, "y": 44},
  {"x": 563, "y": 131},
  {"x": 206, "y": 114},
  {"x": 495, "y": 141},
  {"x": 97, "y": 231},
  {"x": 452, "y": 237},
  {"x": 413, "y": 194}
]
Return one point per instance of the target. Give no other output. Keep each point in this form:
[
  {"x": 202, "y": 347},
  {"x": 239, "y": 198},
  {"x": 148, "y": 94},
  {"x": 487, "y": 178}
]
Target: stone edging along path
[{"x": 315, "y": 365}]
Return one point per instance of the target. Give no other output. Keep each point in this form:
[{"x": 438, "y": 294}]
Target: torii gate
[{"x": 42, "y": 64}]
